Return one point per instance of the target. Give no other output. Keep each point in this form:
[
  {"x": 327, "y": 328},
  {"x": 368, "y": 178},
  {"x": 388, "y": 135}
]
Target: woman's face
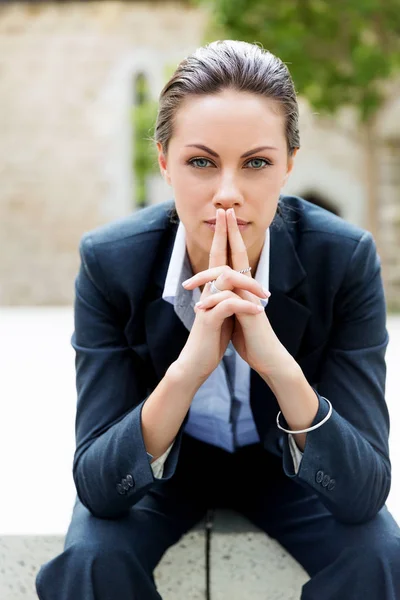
[{"x": 230, "y": 169}]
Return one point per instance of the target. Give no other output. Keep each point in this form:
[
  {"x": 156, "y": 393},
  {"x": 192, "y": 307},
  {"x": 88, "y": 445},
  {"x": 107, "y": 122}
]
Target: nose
[{"x": 228, "y": 194}]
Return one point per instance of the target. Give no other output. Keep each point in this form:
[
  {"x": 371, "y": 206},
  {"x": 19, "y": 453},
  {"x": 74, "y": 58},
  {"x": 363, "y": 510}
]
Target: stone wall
[
  {"x": 67, "y": 73},
  {"x": 66, "y": 88}
]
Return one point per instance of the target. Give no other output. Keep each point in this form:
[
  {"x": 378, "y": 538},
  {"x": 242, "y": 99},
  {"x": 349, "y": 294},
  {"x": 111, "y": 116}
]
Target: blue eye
[
  {"x": 262, "y": 160},
  {"x": 267, "y": 163},
  {"x": 191, "y": 162}
]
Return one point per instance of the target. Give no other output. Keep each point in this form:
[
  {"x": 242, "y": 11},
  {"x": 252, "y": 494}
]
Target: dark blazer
[{"x": 327, "y": 307}]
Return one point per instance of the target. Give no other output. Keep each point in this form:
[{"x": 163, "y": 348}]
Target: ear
[
  {"x": 290, "y": 166},
  {"x": 162, "y": 162}
]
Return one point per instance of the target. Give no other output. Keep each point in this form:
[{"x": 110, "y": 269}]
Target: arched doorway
[{"x": 319, "y": 200}]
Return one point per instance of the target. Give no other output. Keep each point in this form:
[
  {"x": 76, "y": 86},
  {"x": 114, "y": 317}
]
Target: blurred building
[{"x": 67, "y": 81}]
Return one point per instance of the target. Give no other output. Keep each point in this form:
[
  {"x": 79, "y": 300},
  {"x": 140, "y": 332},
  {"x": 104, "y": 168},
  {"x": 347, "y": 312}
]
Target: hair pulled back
[{"x": 228, "y": 64}]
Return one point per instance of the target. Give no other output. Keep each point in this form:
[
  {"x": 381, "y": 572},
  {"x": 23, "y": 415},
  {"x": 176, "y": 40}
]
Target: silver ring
[
  {"x": 213, "y": 287},
  {"x": 245, "y": 270}
]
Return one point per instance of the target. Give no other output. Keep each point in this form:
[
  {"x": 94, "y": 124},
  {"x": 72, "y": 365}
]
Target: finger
[
  {"x": 218, "y": 252},
  {"x": 231, "y": 306},
  {"x": 214, "y": 299},
  {"x": 229, "y": 277},
  {"x": 239, "y": 257}
]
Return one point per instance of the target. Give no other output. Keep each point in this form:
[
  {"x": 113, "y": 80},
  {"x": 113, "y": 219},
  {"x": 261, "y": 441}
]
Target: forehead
[{"x": 234, "y": 115}]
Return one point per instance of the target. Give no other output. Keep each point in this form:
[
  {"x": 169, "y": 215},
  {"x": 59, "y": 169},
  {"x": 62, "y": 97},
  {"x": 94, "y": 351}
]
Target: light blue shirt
[{"x": 209, "y": 413}]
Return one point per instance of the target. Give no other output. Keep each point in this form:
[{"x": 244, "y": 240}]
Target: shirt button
[
  {"x": 129, "y": 479},
  {"x": 120, "y": 489},
  {"x": 325, "y": 480},
  {"x": 125, "y": 484},
  {"x": 319, "y": 477},
  {"x": 331, "y": 484}
]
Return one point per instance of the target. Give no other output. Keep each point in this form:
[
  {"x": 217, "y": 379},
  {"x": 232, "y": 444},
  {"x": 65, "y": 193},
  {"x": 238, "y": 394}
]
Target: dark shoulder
[
  {"x": 327, "y": 245},
  {"x": 306, "y": 219},
  {"x": 319, "y": 235},
  {"x": 119, "y": 257}
]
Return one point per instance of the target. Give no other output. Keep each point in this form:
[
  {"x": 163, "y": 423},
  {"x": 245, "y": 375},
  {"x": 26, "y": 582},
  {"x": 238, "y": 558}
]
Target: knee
[
  {"x": 89, "y": 553},
  {"x": 86, "y": 566},
  {"x": 79, "y": 555},
  {"x": 381, "y": 552}
]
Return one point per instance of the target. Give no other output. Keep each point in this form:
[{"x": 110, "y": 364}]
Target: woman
[{"x": 288, "y": 422}]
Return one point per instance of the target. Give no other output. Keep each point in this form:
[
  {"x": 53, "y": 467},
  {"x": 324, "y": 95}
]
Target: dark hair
[{"x": 229, "y": 64}]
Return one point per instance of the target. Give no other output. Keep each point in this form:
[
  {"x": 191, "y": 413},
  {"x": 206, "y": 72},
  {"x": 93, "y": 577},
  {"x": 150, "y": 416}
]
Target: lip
[
  {"x": 239, "y": 222},
  {"x": 241, "y": 226}
]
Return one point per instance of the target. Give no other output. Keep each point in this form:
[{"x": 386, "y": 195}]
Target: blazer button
[
  {"x": 331, "y": 484},
  {"x": 125, "y": 484},
  {"x": 326, "y": 479},
  {"x": 120, "y": 489},
  {"x": 319, "y": 477},
  {"x": 129, "y": 479}
]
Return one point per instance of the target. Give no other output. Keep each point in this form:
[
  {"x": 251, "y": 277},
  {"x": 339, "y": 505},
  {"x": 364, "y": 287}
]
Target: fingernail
[
  {"x": 260, "y": 308},
  {"x": 199, "y": 304},
  {"x": 186, "y": 282},
  {"x": 267, "y": 293}
]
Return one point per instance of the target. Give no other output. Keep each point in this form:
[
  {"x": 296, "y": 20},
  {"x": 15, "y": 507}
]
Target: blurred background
[
  {"x": 78, "y": 98},
  {"x": 79, "y": 83}
]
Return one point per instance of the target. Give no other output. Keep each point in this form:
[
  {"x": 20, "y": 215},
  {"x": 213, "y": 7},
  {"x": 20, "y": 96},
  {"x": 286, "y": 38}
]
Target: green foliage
[
  {"x": 143, "y": 119},
  {"x": 145, "y": 155},
  {"x": 338, "y": 52}
]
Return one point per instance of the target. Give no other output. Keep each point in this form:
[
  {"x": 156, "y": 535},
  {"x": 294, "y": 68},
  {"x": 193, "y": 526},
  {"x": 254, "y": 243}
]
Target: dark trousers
[{"x": 108, "y": 559}]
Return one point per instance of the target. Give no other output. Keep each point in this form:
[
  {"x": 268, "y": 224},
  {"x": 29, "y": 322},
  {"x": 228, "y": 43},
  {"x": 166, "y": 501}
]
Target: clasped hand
[{"x": 251, "y": 334}]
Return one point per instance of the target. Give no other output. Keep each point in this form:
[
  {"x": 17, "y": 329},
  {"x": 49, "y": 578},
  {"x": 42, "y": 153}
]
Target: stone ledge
[{"x": 244, "y": 563}]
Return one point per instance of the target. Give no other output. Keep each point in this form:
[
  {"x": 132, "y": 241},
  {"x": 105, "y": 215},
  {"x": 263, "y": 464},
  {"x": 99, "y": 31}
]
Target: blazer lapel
[
  {"x": 286, "y": 313},
  {"x": 166, "y": 334}
]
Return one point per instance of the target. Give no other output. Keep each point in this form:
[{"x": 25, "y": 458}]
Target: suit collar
[
  {"x": 285, "y": 310},
  {"x": 287, "y": 313},
  {"x": 286, "y": 270}
]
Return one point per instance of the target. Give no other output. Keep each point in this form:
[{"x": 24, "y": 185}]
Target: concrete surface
[
  {"x": 37, "y": 412},
  {"x": 180, "y": 575},
  {"x": 246, "y": 563}
]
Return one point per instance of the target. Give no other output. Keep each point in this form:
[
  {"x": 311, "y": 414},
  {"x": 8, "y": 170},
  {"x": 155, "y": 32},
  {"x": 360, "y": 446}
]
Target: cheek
[
  {"x": 265, "y": 209},
  {"x": 197, "y": 190},
  {"x": 189, "y": 199},
  {"x": 275, "y": 178}
]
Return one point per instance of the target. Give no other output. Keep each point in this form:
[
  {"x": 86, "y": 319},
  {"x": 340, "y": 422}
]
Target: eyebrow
[{"x": 248, "y": 153}]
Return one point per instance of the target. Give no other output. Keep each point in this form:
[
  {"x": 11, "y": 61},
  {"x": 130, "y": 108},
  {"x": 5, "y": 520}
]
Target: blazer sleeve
[
  {"x": 111, "y": 468},
  {"x": 346, "y": 460}
]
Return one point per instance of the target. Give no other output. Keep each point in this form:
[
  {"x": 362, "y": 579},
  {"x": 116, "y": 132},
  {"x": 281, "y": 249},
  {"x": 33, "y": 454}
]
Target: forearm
[
  {"x": 118, "y": 455},
  {"x": 334, "y": 453},
  {"x": 296, "y": 398},
  {"x": 165, "y": 409}
]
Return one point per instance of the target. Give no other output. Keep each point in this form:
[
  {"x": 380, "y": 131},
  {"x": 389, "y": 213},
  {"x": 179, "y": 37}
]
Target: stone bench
[{"x": 243, "y": 563}]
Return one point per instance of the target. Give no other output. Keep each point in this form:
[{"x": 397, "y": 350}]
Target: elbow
[
  {"x": 105, "y": 505},
  {"x": 91, "y": 496},
  {"x": 98, "y": 508},
  {"x": 370, "y": 503}
]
